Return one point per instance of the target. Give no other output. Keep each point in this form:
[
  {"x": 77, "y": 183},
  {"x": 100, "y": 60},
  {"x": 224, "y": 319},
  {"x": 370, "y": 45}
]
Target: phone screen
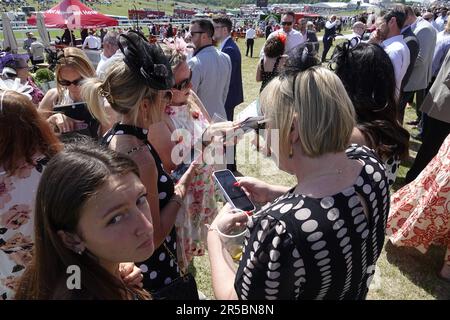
[{"x": 238, "y": 198}]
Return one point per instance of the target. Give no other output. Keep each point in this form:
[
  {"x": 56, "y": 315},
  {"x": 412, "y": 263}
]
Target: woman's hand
[
  {"x": 258, "y": 191},
  {"x": 228, "y": 218},
  {"x": 227, "y": 131},
  {"x": 130, "y": 274},
  {"x": 62, "y": 124},
  {"x": 182, "y": 186}
]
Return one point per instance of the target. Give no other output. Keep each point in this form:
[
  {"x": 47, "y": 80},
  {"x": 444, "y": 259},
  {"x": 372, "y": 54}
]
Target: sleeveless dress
[
  {"x": 200, "y": 204},
  {"x": 160, "y": 269},
  {"x": 267, "y": 76}
]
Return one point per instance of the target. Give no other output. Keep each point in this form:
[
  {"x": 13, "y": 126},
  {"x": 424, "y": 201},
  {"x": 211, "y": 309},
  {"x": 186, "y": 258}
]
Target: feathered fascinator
[
  {"x": 177, "y": 44},
  {"x": 147, "y": 60}
]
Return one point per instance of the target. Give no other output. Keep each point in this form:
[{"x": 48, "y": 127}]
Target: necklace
[{"x": 337, "y": 172}]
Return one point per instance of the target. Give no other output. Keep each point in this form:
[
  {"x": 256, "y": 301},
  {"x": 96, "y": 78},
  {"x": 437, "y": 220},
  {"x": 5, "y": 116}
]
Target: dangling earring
[{"x": 291, "y": 151}]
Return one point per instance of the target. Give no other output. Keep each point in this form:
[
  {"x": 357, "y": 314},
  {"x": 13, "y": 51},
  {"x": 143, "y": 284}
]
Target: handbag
[{"x": 181, "y": 288}]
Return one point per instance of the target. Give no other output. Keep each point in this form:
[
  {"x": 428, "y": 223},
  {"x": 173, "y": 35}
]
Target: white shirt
[
  {"x": 37, "y": 50},
  {"x": 106, "y": 62},
  {"x": 330, "y": 24},
  {"x": 398, "y": 52},
  {"x": 92, "y": 42},
  {"x": 250, "y": 34},
  {"x": 293, "y": 40}
]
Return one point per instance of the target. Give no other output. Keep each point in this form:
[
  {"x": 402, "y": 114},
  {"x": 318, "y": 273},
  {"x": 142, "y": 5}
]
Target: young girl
[{"x": 91, "y": 214}]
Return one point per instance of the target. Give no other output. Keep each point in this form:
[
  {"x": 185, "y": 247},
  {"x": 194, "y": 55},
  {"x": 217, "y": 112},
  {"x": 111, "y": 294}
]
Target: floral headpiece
[{"x": 16, "y": 86}]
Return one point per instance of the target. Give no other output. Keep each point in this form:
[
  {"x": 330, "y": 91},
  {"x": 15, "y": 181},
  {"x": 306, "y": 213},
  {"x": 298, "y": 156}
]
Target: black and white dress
[
  {"x": 326, "y": 248},
  {"x": 160, "y": 269}
]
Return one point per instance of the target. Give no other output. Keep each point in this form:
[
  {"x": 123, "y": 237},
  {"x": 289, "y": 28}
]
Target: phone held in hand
[
  {"x": 79, "y": 111},
  {"x": 233, "y": 194},
  {"x": 253, "y": 123}
]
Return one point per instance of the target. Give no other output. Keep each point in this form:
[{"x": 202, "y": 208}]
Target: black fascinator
[{"x": 147, "y": 60}]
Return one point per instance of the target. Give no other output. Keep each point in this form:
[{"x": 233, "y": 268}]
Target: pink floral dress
[
  {"x": 420, "y": 211},
  {"x": 17, "y": 194},
  {"x": 200, "y": 205}
]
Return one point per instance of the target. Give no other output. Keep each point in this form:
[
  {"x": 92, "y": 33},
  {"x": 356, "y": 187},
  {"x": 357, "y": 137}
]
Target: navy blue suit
[{"x": 235, "y": 92}]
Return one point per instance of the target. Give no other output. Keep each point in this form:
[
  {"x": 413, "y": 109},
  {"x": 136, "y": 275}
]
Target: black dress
[
  {"x": 160, "y": 269},
  {"x": 266, "y": 76},
  {"x": 326, "y": 248}
]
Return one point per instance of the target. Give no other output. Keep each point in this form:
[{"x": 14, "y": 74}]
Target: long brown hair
[
  {"x": 23, "y": 133},
  {"x": 69, "y": 180}
]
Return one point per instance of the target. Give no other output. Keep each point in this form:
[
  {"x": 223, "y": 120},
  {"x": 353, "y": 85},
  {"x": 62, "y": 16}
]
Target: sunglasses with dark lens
[
  {"x": 67, "y": 83},
  {"x": 183, "y": 84},
  {"x": 286, "y": 23}
]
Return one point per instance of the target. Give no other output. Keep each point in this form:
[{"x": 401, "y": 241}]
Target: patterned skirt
[{"x": 420, "y": 211}]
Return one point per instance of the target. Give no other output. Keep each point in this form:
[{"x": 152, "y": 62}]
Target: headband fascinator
[
  {"x": 16, "y": 86},
  {"x": 147, "y": 60}
]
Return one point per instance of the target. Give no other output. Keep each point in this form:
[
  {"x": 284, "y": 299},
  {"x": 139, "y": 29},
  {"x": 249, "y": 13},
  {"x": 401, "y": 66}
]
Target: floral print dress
[
  {"x": 17, "y": 194},
  {"x": 200, "y": 205},
  {"x": 420, "y": 211}
]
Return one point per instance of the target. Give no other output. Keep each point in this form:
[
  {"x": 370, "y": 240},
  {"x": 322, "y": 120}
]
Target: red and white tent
[{"x": 73, "y": 14}]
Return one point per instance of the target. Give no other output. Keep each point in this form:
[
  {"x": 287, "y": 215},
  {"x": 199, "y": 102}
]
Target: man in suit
[
  {"x": 413, "y": 45},
  {"x": 211, "y": 69},
  {"x": 437, "y": 127},
  {"x": 422, "y": 73},
  {"x": 222, "y": 34}
]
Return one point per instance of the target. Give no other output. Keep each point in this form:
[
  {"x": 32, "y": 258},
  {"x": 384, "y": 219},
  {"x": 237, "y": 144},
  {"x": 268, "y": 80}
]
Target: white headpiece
[{"x": 16, "y": 86}]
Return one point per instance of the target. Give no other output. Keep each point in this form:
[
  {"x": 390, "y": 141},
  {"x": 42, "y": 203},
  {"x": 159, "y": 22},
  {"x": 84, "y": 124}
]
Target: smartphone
[
  {"x": 234, "y": 195},
  {"x": 253, "y": 123},
  {"x": 79, "y": 111}
]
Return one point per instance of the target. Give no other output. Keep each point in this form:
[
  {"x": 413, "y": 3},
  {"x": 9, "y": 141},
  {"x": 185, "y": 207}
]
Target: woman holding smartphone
[{"x": 320, "y": 239}]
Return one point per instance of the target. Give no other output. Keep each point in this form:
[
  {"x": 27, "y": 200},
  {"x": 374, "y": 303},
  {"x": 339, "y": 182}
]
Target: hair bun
[{"x": 147, "y": 60}]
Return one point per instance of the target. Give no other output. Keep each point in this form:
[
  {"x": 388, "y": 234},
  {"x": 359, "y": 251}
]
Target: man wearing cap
[
  {"x": 358, "y": 30},
  {"x": 27, "y": 42},
  {"x": 36, "y": 52}
]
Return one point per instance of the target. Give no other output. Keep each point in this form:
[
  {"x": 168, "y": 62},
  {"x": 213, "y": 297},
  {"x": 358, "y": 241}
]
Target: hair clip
[{"x": 106, "y": 94}]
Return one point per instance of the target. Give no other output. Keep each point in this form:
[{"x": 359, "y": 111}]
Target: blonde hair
[
  {"x": 123, "y": 90},
  {"x": 74, "y": 58},
  {"x": 447, "y": 26},
  {"x": 325, "y": 113}
]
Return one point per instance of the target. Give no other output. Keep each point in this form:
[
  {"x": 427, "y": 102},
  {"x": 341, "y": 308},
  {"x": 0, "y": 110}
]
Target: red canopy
[{"x": 73, "y": 14}]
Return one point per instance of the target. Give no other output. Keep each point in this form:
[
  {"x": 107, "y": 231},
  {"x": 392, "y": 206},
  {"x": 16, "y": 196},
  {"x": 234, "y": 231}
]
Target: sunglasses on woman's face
[
  {"x": 67, "y": 83},
  {"x": 184, "y": 84},
  {"x": 286, "y": 23}
]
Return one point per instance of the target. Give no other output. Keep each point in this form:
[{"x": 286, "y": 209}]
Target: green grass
[{"x": 404, "y": 273}]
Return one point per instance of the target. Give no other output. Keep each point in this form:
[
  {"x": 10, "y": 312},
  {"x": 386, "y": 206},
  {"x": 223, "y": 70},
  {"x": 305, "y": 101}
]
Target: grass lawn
[{"x": 402, "y": 273}]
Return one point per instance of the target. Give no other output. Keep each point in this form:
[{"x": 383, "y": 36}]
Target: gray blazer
[
  {"x": 413, "y": 46},
  {"x": 437, "y": 101},
  {"x": 211, "y": 73},
  {"x": 422, "y": 73}
]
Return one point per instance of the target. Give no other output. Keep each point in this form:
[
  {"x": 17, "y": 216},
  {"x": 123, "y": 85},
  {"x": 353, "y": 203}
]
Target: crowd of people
[{"x": 131, "y": 201}]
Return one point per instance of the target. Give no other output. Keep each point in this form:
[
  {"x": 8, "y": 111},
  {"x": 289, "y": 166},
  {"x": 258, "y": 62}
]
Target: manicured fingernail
[
  {"x": 236, "y": 184},
  {"x": 249, "y": 213}
]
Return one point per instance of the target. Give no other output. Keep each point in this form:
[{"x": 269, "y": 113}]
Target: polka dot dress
[
  {"x": 160, "y": 269},
  {"x": 326, "y": 248},
  {"x": 392, "y": 165}
]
